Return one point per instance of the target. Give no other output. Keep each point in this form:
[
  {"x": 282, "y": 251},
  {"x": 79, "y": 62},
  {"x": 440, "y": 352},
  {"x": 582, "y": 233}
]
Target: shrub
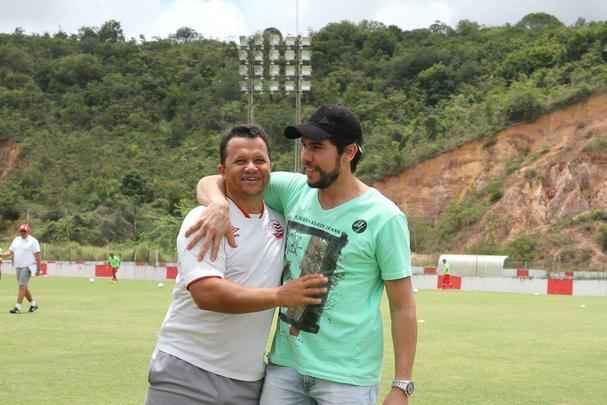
[
  {"x": 512, "y": 166},
  {"x": 524, "y": 105},
  {"x": 597, "y": 145},
  {"x": 496, "y": 196},
  {"x": 460, "y": 215},
  {"x": 602, "y": 238},
  {"x": 494, "y": 190},
  {"x": 599, "y": 215},
  {"x": 576, "y": 256},
  {"x": 530, "y": 174},
  {"x": 523, "y": 248}
]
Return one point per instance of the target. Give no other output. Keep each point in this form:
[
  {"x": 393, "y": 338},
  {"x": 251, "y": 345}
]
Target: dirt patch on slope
[
  {"x": 9, "y": 155},
  {"x": 547, "y": 171}
]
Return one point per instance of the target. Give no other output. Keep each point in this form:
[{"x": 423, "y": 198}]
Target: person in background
[
  {"x": 446, "y": 275},
  {"x": 114, "y": 262},
  {"x": 25, "y": 251}
]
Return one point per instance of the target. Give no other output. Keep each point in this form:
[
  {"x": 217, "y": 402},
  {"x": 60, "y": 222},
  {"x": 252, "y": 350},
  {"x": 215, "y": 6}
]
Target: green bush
[
  {"x": 523, "y": 248},
  {"x": 601, "y": 238},
  {"x": 494, "y": 189},
  {"x": 524, "y": 105},
  {"x": 597, "y": 145},
  {"x": 599, "y": 215},
  {"x": 576, "y": 256},
  {"x": 460, "y": 215}
]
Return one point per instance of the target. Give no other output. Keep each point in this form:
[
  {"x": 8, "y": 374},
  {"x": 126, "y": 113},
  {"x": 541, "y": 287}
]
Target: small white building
[{"x": 472, "y": 265}]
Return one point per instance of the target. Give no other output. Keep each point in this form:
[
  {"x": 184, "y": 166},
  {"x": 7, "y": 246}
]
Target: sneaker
[
  {"x": 15, "y": 311},
  {"x": 33, "y": 308}
]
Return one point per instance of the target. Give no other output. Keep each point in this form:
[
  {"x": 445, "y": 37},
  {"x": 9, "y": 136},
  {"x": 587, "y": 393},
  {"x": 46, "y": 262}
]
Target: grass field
[{"x": 90, "y": 343}]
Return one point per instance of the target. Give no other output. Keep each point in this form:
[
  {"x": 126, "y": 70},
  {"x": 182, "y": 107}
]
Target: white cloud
[
  {"x": 230, "y": 18},
  {"x": 211, "y": 18},
  {"x": 413, "y": 14},
  {"x": 41, "y": 16}
]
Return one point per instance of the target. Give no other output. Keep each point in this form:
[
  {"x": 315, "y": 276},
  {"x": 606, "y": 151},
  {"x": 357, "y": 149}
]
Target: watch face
[{"x": 408, "y": 387}]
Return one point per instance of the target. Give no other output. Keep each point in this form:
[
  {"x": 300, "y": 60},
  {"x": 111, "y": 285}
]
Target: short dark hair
[
  {"x": 242, "y": 131},
  {"x": 359, "y": 153}
]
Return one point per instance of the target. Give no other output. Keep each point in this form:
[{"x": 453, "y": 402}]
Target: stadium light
[{"x": 271, "y": 64}]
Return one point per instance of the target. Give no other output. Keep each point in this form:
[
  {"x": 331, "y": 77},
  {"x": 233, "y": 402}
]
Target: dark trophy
[{"x": 320, "y": 256}]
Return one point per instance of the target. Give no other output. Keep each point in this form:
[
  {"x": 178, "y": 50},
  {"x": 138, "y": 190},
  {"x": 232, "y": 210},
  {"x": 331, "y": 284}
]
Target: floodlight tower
[
  {"x": 270, "y": 64},
  {"x": 251, "y": 69},
  {"x": 298, "y": 73}
]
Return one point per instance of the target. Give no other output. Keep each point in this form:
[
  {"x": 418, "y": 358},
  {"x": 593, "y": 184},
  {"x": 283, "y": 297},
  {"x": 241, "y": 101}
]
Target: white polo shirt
[
  {"x": 23, "y": 251},
  {"x": 231, "y": 345}
]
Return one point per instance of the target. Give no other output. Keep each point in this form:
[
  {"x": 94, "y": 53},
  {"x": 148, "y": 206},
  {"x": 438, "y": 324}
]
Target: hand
[
  {"x": 396, "y": 397},
  {"x": 307, "y": 289},
  {"x": 213, "y": 225}
]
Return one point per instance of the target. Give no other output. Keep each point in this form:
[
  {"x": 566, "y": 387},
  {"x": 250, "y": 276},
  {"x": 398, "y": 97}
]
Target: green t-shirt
[
  {"x": 114, "y": 261},
  {"x": 357, "y": 244}
]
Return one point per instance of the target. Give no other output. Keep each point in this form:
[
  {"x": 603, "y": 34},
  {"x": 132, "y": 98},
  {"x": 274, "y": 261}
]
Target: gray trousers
[{"x": 176, "y": 382}]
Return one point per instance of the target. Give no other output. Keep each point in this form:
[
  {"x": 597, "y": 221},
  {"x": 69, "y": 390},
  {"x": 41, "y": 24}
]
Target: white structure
[
  {"x": 536, "y": 283},
  {"x": 472, "y": 265}
]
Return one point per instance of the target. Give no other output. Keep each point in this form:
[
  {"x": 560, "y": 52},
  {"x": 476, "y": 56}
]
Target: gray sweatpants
[{"x": 177, "y": 382}]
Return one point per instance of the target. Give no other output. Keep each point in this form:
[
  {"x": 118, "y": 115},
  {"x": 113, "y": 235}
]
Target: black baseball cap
[{"x": 334, "y": 122}]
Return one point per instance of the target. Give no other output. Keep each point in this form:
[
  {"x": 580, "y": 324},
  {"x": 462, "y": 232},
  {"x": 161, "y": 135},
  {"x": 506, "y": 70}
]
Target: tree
[
  {"x": 134, "y": 186},
  {"x": 467, "y": 27},
  {"x": 111, "y": 31},
  {"x": 186, "y": 34},
  {"x": 438, "y": 82},
  {"x": 538, "y": 21},
  {"x": 440, "y": 27},
  {"x": 87, "y": 33}
]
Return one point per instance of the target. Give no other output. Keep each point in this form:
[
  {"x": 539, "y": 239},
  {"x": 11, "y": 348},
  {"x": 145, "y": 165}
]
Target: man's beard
[{"x": 326, "y": 178}]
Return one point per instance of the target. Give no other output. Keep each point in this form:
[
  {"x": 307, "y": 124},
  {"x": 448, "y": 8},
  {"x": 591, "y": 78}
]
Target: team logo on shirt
[
  {"x": 235, "y": 231},
  {"x": 277, "y": 229},
  {"x": 359, "y": 226}
]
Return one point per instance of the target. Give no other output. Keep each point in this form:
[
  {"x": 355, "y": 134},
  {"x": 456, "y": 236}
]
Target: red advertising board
[
  {"x": 449, "y": 282},
  {"x": 103, "y": 270},
  {"x": 560, "y": 287},
  {"x": 171, "y": 272}
]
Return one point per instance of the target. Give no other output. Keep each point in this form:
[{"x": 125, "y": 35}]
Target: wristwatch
[{"x": 406, "y": 386}]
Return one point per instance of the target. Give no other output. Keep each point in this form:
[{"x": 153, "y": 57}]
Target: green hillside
[{"x": 114, "y": 133}]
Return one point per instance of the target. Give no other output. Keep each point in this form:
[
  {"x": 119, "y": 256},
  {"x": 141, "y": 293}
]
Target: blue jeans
[{"x": 285, "y": 386}]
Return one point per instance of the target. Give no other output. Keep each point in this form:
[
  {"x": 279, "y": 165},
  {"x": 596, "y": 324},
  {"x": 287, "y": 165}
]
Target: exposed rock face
[
  {"x": 548, "y": 171},
  {"x": 9, "y": 153}
]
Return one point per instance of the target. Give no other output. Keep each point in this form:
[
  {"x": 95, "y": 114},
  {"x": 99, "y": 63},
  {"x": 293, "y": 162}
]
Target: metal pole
[
  {"x": 251, "y": 84},
  {"x": 297, "y": 146},
  {"x": 298, "y": 48}
]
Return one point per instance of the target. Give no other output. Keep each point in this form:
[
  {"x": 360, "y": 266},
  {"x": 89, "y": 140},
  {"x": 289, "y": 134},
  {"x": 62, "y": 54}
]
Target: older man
[{"x": 212, "y": 342}]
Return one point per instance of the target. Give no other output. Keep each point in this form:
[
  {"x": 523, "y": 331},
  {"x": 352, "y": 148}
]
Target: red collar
[{"x": 246, "y": 214}]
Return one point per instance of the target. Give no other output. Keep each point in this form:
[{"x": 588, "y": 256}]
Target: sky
[{"x": 227, "y": 19}]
